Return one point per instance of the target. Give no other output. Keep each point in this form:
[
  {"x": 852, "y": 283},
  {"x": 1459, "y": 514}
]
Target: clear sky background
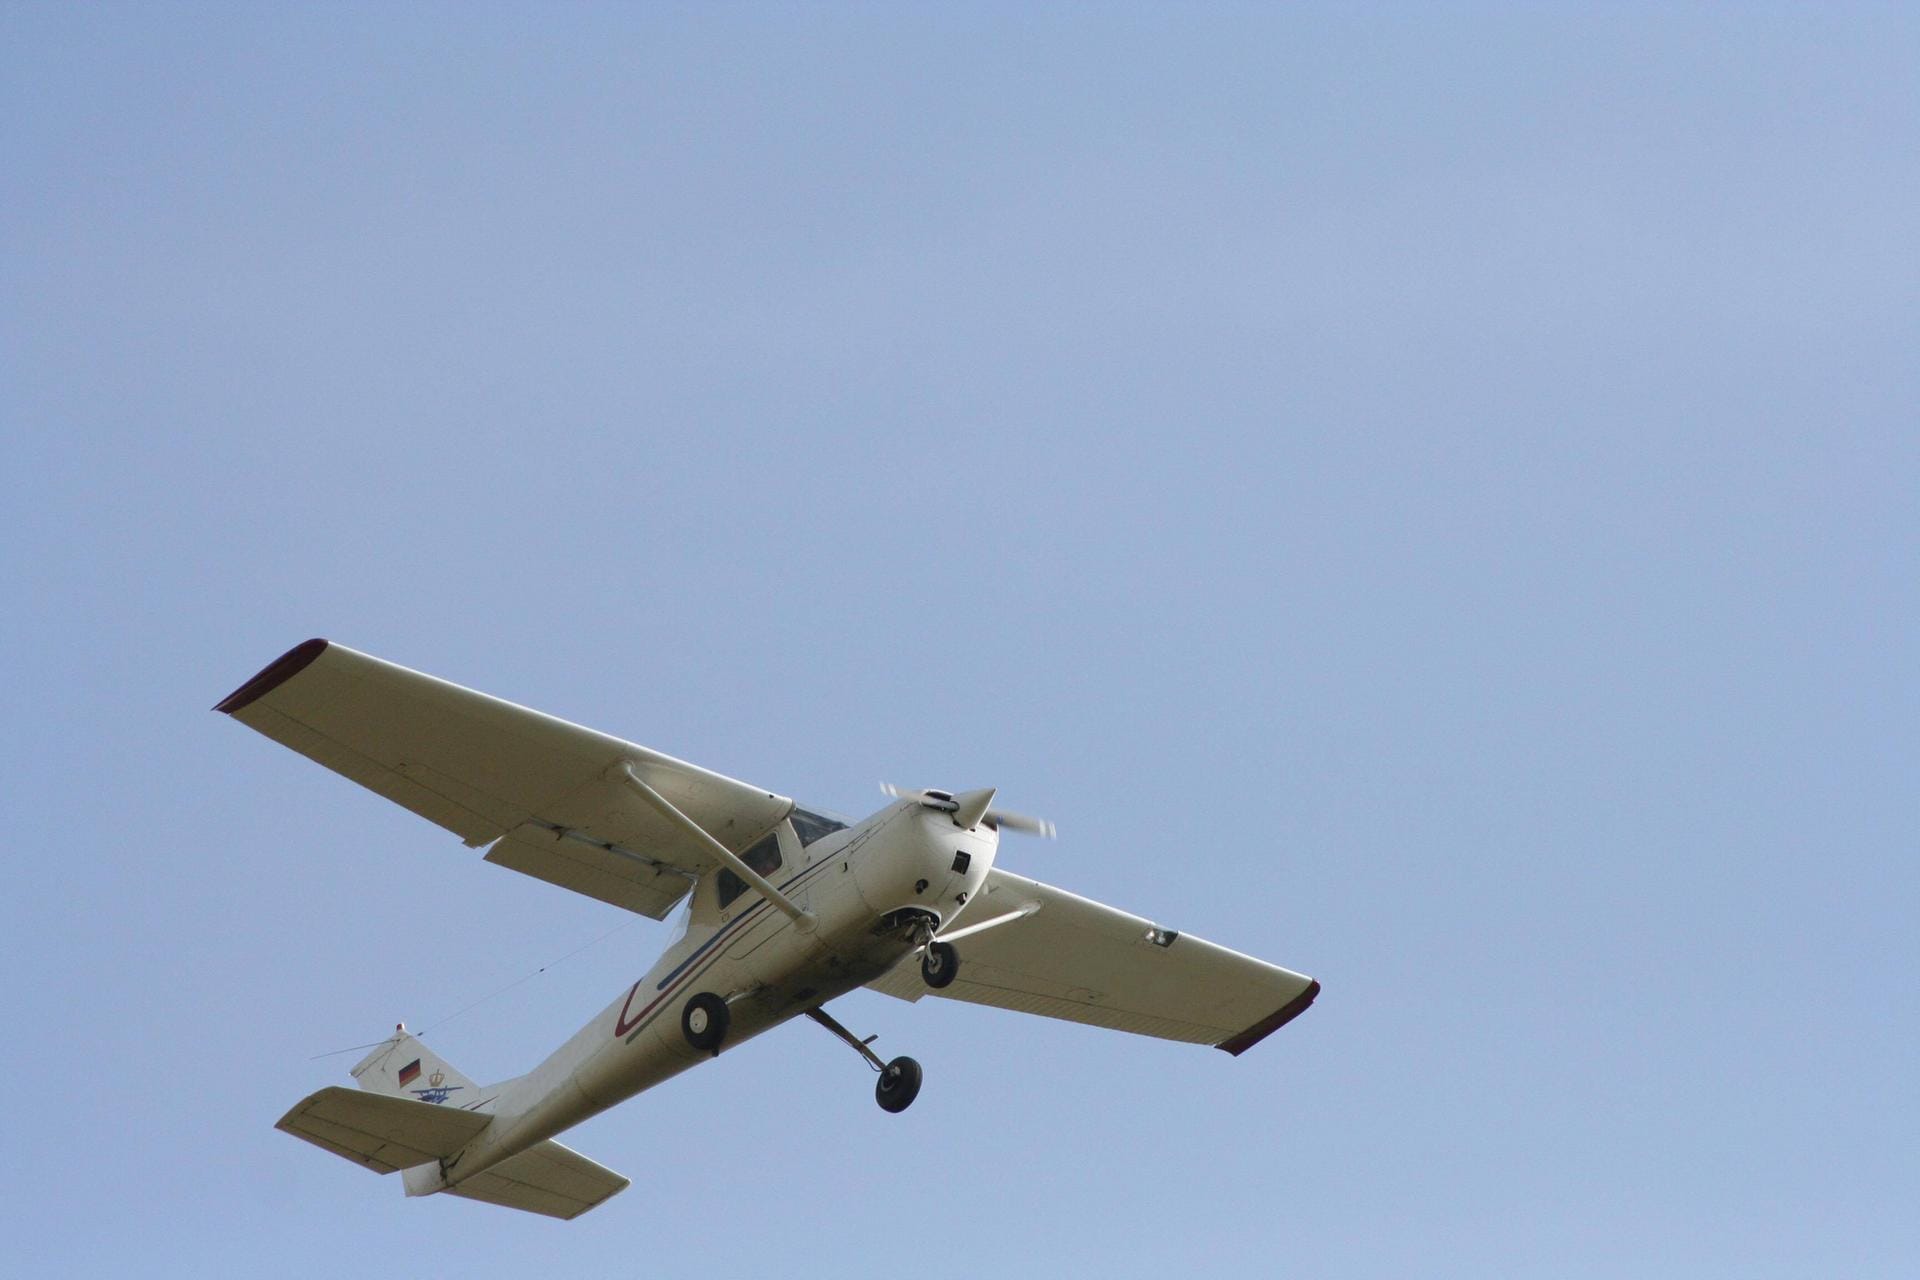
[{"x": 1423, "y": 495}]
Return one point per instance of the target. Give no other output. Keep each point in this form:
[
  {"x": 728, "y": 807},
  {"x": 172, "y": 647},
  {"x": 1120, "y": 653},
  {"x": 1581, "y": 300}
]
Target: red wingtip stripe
[
  {"x": 1279, "y": 1018},
  {"x": 273, "y": 675}
]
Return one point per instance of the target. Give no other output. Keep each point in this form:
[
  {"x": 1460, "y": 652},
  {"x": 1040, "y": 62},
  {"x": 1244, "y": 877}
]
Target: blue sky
[{"x": 1422, "y": 495}]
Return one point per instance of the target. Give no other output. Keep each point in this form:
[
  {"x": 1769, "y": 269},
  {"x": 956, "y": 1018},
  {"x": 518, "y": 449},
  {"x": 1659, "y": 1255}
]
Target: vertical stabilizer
[{"x": 403, "y": 1067}]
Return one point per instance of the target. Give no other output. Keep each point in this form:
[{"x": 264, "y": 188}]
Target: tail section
[
  {"x": 402, "y": 1067},
  {"x": 545, "y": 1178},
  {"x": 415, "y": 1112}
]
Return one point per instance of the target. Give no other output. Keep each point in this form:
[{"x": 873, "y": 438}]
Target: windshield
[{"x": 811, "y": 826}]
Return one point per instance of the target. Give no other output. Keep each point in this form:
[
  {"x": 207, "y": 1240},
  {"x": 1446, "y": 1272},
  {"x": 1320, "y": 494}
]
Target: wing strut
[
  {"x": 723, "y": 855},
  {"x": 1020, "y": 913}
]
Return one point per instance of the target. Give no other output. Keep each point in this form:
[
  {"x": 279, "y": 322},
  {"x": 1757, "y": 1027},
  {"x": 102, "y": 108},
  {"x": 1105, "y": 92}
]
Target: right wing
[
  {"x": 541, "y": 790},
  {"x": 1073, "y": 958}
]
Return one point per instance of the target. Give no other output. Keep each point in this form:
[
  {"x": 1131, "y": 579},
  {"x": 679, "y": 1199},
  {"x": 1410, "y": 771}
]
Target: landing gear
[
  {"x": 939, "y": 965},
  {"x": 898, "y": 1086},
  {"x": 704, "y": 1022},
  {"x": 899, "y": 1082}
]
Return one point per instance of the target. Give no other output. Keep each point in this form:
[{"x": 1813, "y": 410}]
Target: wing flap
[
  {"x": 546, "y": 1178},
  {"x": 1082, "y": 961},
  {"x": 597, "y": 872},
  {"x": 380, "y": 1132},
  {"x": 985, "y": 985}
]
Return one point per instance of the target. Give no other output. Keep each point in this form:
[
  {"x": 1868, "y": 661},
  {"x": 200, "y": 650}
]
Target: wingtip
[
  {"x": 1279, "y": 1018},
  {"x": 273, "y": 675}
]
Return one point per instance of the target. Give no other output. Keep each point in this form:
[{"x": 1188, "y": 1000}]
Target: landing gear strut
[{"x": 899, "y": 1082}]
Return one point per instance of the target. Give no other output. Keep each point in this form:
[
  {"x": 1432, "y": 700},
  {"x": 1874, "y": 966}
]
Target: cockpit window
[
  {"x": 811, "y": 826},
  {"x": 763, "y": 857}
]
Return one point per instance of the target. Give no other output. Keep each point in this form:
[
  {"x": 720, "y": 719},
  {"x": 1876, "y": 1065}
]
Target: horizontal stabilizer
[
  {"x": 383, "y": 1133},
  {"x": 545, "y": 1178}
]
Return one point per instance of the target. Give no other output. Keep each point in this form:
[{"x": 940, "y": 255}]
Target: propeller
[{"x": 970, "y": 808}]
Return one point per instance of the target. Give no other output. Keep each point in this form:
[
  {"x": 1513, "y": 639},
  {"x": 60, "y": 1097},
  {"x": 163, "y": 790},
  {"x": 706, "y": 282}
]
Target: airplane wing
[
  {"x": 1076, "y": 959},
  {"x": 540, "y": 790}
]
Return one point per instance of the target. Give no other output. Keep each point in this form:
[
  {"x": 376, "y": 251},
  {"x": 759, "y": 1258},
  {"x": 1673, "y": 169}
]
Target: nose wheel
[
  {"x": 939, "y": 964},
  {"x": 898, "y": 1085},
  {"x": 899, "y": 1082}
]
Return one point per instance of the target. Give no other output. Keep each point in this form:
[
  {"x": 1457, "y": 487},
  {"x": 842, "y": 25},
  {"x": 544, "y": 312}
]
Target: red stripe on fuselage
[{"x": 623, "y": 1027}]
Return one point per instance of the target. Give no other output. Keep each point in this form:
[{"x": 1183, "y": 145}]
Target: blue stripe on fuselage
[{"x": 682, "y": 972}]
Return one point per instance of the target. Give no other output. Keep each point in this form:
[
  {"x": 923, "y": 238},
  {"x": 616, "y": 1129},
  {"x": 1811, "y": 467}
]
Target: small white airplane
[{"x": 787, "y": 910}]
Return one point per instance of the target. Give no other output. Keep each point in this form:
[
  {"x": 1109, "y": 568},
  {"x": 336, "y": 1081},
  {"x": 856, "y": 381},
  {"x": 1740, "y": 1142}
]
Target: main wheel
[
  {"x": 939, "y": 964},
  {"x": 898, "y": 1086},
  {"x": 704, "y": 1022}
]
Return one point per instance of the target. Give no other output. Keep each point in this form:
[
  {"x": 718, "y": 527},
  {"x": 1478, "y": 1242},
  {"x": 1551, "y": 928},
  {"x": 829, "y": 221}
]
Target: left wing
[
  {"x": 545, "y": 793},
  {"x": 1076, "y": 959}
]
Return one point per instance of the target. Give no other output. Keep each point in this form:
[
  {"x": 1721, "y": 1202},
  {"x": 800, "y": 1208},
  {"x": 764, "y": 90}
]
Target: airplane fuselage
[{"x": 872, "y": 894}]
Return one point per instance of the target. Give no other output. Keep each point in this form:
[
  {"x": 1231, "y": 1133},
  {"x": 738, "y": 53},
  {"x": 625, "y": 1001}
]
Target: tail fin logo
[{"x": 437, "y": 1089}]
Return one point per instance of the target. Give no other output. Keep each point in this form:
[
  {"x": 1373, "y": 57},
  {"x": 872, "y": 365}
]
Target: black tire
[
  {"x": 939, "y": 964},
  {"x": 898, "y": 1086},
  {"x": 704, "y": 1022}
]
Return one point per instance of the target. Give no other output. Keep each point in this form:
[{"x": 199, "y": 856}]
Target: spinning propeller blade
[{"x": 977, "y": 806}]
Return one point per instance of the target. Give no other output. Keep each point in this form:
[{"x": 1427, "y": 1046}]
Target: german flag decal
[{"x": 410, "y": 1073}]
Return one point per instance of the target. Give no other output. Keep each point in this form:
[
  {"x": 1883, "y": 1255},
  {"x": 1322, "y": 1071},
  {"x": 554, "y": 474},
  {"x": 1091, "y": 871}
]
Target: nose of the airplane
[{"x": 927, "y": 861}]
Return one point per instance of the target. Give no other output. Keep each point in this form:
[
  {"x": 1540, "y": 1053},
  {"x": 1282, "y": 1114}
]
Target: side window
[
  {"x": 811, "y": 826},
  {"x": 763, "y": 857}
]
